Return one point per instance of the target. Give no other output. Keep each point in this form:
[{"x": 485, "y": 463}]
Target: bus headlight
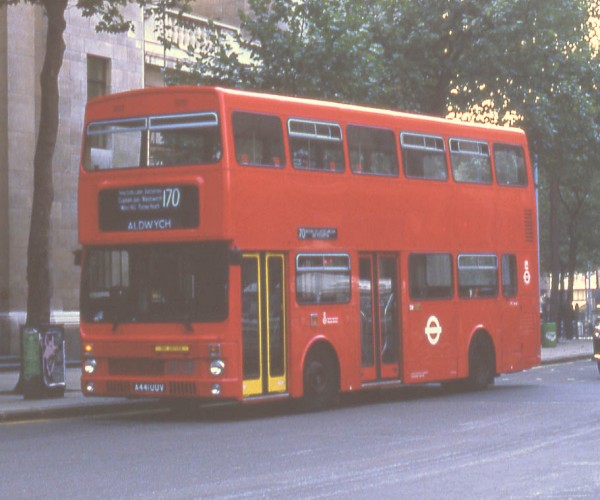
[
  {"x": 215, "y": 389},
  {"x": 216, "y": 367},
  {"x": 89, "y": 366},
  {"x": 89, "y": 387}
]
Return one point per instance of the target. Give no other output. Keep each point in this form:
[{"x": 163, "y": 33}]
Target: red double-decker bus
[{"x": 244, "y": 246}]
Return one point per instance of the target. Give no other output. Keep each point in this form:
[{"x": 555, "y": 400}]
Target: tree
[
  {"x": 39, "y": 292},
  {"x": 530, "y": 63},
  {"x": 110, "y": 19}
]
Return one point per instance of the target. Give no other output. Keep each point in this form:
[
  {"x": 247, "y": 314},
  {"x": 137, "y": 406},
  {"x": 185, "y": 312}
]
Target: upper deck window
[
  {"x": 316, "y": 145},
  {"x": 372, "y": 151},
  {"x": 510, "y": 165},
  {"x": 258, "y": 140},
  {"x": 424, "y": 156},
  {"x": 470, "y": 161},
  {"x": 189, "y": 139}
]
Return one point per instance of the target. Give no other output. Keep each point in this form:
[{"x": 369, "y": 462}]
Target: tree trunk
[
  {"x": 572, "y": 260},
  {"x": 555, "y": 301},
  {"x": 38, "y": 272}
]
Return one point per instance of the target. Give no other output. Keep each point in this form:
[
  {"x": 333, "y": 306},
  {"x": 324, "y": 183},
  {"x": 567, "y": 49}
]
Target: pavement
[{"x": 14, "y": 407}]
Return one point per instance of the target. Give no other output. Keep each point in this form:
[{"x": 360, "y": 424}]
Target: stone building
[{"x": 94, "y": 64}]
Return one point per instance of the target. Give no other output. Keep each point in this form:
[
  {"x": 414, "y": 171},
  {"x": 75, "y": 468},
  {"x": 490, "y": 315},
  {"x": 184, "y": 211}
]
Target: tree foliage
[
  {"x": 533, "y": 63},
  {"x": 530, "y": 63},
  {"x": 109, "y": 14}
]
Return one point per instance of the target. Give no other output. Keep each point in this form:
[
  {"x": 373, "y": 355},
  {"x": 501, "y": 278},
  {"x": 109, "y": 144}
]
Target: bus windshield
[
  {"x": 174, "y": 283},
  {"x": 154, "y": 141}
]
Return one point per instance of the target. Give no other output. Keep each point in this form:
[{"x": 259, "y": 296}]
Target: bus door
[
  {"x": 263, "y": 324},
  {"x": 379, "y": 325}
]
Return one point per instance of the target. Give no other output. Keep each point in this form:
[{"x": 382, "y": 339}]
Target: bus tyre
[
  {"x": 598, "y": 366},
  {"x": 482, "y": 364},
  {"x": 321, "y": 385}
]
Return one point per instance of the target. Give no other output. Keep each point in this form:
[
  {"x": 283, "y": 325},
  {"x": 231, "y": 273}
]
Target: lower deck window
[
  {"x": 156, "y": 283},
  {"x": 323, "y": 278},
  {"x": 509, "y": 275},
  {"x": 477, "y": 276},
  {"x": 430, "y": 276}
]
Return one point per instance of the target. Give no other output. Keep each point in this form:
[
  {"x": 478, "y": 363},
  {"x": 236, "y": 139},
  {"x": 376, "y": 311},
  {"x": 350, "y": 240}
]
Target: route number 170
[{"x": 171, "y": 197}]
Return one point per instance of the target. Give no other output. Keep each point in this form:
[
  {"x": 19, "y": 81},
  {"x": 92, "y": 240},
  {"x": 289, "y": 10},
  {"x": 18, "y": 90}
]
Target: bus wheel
[
  {"x": 482, "y": 363},
  {"x": 598, "y": 366},
  {"x": 321, "y": 385}
]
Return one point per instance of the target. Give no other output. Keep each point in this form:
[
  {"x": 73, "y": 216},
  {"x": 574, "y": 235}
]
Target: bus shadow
[{"x": 237, "y": 412}]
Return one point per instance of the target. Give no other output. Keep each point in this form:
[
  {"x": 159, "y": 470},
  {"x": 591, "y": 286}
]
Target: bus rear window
[
  {"x": 191, "y": 139},
  {"x": 323, "y": 278},
  {"x": 175, "y": 283}
]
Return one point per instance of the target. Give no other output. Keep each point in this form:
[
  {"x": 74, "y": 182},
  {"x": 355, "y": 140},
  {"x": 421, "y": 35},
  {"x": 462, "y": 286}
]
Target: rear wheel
[
  {"x": 321, "y": 384},
  {"x": 482, "y": 364}
]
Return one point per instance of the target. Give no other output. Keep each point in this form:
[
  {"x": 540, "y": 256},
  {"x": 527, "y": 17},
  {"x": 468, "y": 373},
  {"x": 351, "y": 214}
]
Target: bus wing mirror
[{"x": 235, "y": 257}]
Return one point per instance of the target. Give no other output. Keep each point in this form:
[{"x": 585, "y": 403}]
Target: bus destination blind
[{"x": 149, "y": 208}]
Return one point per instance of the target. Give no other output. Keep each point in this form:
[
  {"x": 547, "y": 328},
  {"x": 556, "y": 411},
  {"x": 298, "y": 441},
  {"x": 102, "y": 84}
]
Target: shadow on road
[{"x": 194, "y": 411}]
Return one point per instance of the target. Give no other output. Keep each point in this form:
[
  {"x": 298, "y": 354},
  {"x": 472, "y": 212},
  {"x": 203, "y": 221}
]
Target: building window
[{"x": 98, "y": 76}]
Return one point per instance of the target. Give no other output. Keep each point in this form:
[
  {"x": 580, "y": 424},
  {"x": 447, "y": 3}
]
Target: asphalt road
[{"x": 533, "y": 435}]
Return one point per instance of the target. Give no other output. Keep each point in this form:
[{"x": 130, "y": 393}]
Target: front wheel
[
  {"x": 321, "y": 384},
  {"x": 598, "y": 366}
]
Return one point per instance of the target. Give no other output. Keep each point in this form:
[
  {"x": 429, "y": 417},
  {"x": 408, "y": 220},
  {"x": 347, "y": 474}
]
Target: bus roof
[{"x": 227, "y": 94}]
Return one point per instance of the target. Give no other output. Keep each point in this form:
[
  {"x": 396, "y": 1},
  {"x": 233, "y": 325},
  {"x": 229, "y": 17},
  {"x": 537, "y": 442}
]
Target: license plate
[{"x": 149, "y": 387}]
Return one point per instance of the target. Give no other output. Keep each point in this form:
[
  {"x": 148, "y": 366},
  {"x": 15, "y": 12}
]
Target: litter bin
[
  {"x": 549, "y": 336},
  {"x": 43, "y": 361}
]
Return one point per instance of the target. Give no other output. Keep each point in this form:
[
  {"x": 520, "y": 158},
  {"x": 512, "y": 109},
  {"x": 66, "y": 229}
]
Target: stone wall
[{"x": 21, "y": 52}]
